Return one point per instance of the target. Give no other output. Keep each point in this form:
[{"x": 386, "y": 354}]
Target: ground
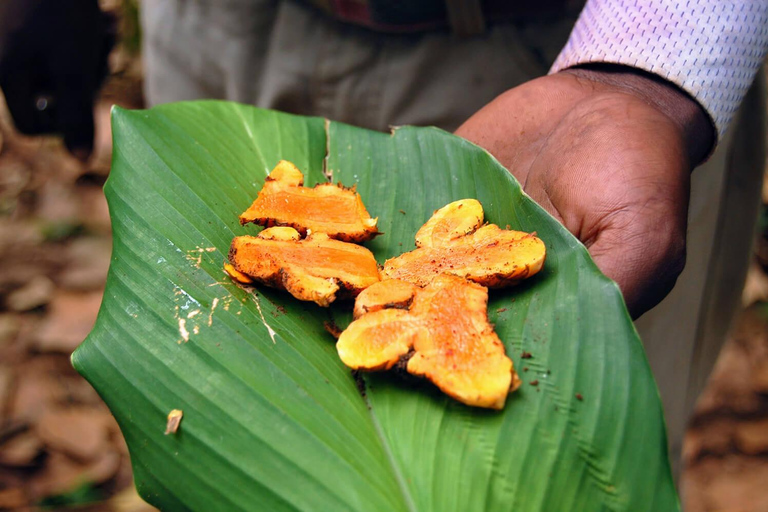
[{"x": 60, "y": 446}]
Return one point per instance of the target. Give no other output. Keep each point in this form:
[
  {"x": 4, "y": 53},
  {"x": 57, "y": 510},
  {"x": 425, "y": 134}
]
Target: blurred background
[{"x": 60, "y": 448}]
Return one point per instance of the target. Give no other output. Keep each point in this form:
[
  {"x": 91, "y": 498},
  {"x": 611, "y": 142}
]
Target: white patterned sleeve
[{"x": 709, "y": 48}]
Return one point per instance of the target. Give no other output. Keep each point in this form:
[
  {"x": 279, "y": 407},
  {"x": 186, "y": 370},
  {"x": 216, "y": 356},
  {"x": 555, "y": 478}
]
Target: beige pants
[{"x": 282, "y": 56}]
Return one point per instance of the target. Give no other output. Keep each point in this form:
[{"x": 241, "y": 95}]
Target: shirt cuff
[{"x": 711, "y": 49}]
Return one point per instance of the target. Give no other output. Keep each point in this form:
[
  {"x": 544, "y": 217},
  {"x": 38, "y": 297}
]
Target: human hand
[{"x": 608, "y": 152}]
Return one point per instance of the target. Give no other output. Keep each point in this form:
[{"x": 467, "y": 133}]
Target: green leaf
[{"x": 272, "y": 419}]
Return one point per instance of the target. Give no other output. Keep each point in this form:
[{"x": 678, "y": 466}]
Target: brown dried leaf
[
  {"x": 79, "y": 432},
  {"x": 37, "y": 292},
  {"x": 21, "y": 450},
  {"x": 71, "y": 318}
]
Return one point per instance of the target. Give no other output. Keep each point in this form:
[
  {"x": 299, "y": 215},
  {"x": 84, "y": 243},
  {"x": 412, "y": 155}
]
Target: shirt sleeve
[{"x": 709, "y": 48}]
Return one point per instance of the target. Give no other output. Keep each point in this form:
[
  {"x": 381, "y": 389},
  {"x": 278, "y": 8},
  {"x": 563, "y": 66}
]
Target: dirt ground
[{"x": 60, "y": 447}]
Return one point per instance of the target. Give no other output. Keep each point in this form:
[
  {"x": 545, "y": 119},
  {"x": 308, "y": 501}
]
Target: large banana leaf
[{"x": 272, "y": 419}]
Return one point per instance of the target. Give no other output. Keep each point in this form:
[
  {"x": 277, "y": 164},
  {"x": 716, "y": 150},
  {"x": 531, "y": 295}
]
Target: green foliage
[
  {"x": 272, "y": 419},
  {"x": 81, "y": 495}
]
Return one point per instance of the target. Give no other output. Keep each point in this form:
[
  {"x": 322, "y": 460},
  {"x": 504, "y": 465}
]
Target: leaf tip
[
  {"x": 76, "y": 358},
  {"x": 116, "y": 111}
]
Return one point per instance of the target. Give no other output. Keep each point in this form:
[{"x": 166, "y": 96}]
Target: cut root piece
[
  {"x": 237, "y": 276},
  {"x": 388, "y": 294},
  {"x": 450, "y": 222},
  {"x": 447, "y": 330},
  {"x": 378, "y": 340},
  {"x": 452, "y": 242},
  {"x": 327, "y": 208},
  {"x": 316, "y": 269}
]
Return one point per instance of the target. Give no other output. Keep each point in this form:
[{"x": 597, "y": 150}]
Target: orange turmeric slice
[
  {"x": 392, "y": 293},
  {"x": 316, "y": 269},
  {"x": 454, "y": 241},
  {"x": 237, "y": 276},
  {"x": 444, "y": 329},
  {"x": 327, "y": 208},
  {"x": 450, "y": 222}
]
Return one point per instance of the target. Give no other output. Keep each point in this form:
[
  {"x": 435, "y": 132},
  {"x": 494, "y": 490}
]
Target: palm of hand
[{"x": 611, "y": 167}]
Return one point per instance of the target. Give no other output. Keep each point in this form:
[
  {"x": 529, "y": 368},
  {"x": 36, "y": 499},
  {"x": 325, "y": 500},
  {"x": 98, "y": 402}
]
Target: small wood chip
[
  {"x": 501, "y": 310},
  {"x": 526, "y": 355},
  {"x": 332, "y": 329},
  {"x": 579, "y": 397},
  {"x": 174, "y": 419},
  {"x": 534, "y": 383}
]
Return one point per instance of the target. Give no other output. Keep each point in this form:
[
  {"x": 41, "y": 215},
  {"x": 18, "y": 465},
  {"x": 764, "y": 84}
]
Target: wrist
[{"x": 696, "y": 127}]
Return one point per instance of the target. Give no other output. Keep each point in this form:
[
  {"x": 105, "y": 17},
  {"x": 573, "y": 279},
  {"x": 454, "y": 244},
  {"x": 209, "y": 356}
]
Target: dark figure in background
[{"x": 53, "y": 58}]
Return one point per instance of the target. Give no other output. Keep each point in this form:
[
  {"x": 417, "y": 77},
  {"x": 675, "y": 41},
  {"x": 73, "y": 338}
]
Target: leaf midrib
[{"x": 399, "y": 477}]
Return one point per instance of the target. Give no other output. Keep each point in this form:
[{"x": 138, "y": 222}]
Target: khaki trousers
[{"x": 283, "y": 56}]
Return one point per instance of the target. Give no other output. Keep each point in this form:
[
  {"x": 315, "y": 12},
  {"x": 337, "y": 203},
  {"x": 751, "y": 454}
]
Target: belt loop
[{"x": 465, "y": 17}]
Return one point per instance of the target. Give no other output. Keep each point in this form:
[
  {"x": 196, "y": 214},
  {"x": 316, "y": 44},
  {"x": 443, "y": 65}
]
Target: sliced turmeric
[
  {"x": 455, "y": 241},
  {"x": 450, "y": 222},
  {"x": 392, "y": 293},
  {"x": 443, "y": 327},
  {"x": 316, "y": 268},
  {"x": 327, "y": 208},
  {"x": 236, "y": 275}
]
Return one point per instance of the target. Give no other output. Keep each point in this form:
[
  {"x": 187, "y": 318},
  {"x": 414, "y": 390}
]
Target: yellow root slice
[
  {"x": 237, "y": 276},
  {"x": 327, "y": 208},
  {"x": 450, "y": 222},
  {"x": 316, "y": 269},
  {"x": 391, "y": 293},
  {"x": 452, "y": 341},
  {"x": 283, "y": 233},
  {"x": 486, "y": 255}
]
